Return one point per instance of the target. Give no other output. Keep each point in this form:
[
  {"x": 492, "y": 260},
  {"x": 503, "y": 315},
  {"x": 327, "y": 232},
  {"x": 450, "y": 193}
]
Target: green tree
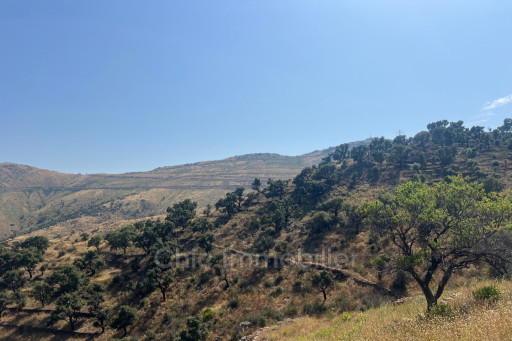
[
  {"x": 205, "y": 241},
  {"x": 256, "y": 185},
  {"x": 197, "y": 330},
  {"x": 42, "y": 292},
  {"x": 320, "y": 222},
  {"x": 276, "y": 188},
  {"x": 125, "y": 317},
  {"x": 29, "y": 258},
  {"x": 15, "y": 280},
  {"x": 379, "y": 263},
  {"x": 439, "y": 229},
  {"x": 333, "y": 206},
  {"x": 67, "y": 309},
  {"x": 228, "y": 204},
  {"x": 95, "y": 241},
  {"x": 121, "y": 239},
  {"x": 208, "y": 210},
  {"x": 97, "y": 308},
  {"x": 181, "y": 213},
  {"x": 148, "y": 240},
  {"x": 68, "y": 278},
  {"x": 91, "y": 261},
  {"x": 239, "y": 192},
  {"x": 41, "y": 243},
  {"x": 5, "y": 300},
  {"x": 161, "y": 279},
  {"x": 322, "y": 280},
  {"x": 43, "y": 268},
  {"x": 341, "y": 152},
  {"x": 201, "y": 225}
]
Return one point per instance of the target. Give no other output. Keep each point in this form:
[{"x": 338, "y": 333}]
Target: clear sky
[{"x": 117, "y": 86}]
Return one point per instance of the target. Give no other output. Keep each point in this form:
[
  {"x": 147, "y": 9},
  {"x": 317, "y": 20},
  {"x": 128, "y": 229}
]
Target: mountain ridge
[{"x": 32, "y": 198}]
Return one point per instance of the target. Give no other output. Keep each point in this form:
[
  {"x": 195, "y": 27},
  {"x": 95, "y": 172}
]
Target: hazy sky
[{"x": 117, "y": 86}]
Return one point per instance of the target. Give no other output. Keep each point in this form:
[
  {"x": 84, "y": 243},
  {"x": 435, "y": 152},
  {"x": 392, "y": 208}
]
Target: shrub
[
  {"x": 441, "y": 310},
  {"x": 267, "y": 284},
  {"x": 487, "y": 293},
  {"x": 290, "y": 311},
  {"x": 316, "y": 308},
  {"x": 234, "y": 302},
  {"x": 277, "y": 291},
  {"x": 167, "y": 318},
  {"x": 298, "y": 286},
  {"x": 278, "y": 279}
]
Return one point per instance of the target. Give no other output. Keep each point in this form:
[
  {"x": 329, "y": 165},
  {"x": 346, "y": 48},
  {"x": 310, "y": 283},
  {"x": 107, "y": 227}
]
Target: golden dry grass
[{"x": 473, "y": 321}]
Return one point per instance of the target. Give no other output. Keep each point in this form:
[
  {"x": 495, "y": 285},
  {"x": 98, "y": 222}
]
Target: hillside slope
[{"x": 32, "y": 198}]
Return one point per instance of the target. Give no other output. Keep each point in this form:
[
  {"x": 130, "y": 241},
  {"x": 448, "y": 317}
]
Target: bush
[
  {"x": 314, "y": 309},
  {"x": 488, "y": 293},
  {"x": 234, "y": 302},
  {"x": 278, "y": 279},
  {"x": 441, "y": 310},
  {"x": 298, "y": 285},
  {"x": 290, "y": 311},
  {"x": 277, "y": 291}
]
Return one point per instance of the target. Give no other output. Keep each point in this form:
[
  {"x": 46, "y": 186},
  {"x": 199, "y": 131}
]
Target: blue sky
[{"x": 118, "y": 86}]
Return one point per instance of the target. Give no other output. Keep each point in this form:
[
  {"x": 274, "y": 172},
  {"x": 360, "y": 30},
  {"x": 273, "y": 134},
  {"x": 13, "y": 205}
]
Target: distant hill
[{"x": 33, "y": 198}]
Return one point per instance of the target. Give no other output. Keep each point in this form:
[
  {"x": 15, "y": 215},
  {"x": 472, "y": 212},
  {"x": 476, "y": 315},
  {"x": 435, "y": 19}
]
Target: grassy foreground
[{"x": 472, "y": 320}]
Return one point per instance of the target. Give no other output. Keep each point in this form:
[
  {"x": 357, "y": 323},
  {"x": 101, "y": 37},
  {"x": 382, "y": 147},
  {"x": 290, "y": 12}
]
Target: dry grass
[{"x": 472, "y": 321}]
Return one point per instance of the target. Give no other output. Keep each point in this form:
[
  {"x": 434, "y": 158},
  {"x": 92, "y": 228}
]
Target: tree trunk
[
  {"x": 163, "y": 295},
  {"x": 325, "y": 295},
  {"x": 72, "y": 323},
  {"x": 125, "y": 331}
]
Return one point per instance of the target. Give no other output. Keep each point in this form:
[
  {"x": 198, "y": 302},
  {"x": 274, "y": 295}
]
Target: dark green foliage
[
  {"x": 197, "y": 330},
  {"x": 441, "y": 311},
  {"x": 276, "y": 188},
  {"x": 181, "y": 213},
  {"x": 91, "y": 262},
  {"x": 201, "y": 225},
  {"x": 317, "y": 308},
  {"x": 400, "y": 281},
  {"x": 276, "y": 292},
  {"x": 95, "y": 241},
  {"x": 205, "y": 241},
  {"x": 320, "y": 222},
  {"x": 239, "y": 192},
  {"x": 67, "y": 308},
  {"x": 42, "y": 292},
  {"x": 263, "y": 243},
  {"x": 487, "y": 293},
  {"x": 41, "y": 243},
  {"x": 228, "y": 204},
  {"x": 124, "y": 317},
  {"x": 161, "y": 279},
  {"x": 121, "y": 239},
  {"x": 14, "y": 280},
  {"x": 29, "y": 258},
  {"x": 256, "y": 185},
  {"x": 5, "y": 300},
  {"x": 322, "y": 280},
  {"x": 333, "y": 206},
  {"x": 234, "y": 302},
  {"x": 68, "y": 278}
]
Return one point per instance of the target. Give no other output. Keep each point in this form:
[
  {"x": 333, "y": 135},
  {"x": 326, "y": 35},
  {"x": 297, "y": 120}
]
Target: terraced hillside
[{"x": 32, "y": 198}]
